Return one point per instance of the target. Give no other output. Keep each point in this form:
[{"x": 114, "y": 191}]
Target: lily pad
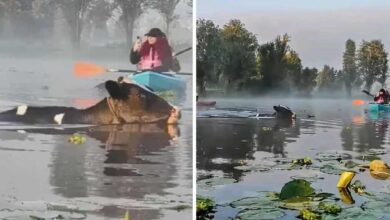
[
  {"x": 328, "y": 156},
  {"x": 377, "y": 151},
  {"x": 260, "y": 168},
  {"x": 299, "y": 203},
  {"x": 368, "y": 157},
  {"x": 354, "y": 213},
  {"x": 350, "y": 164},
  {"x": 296, "y": 188},
  {"x": 311, "y": 177},
  {"x": 215, "y": 181},
  {"x": 264, "y": 206},
  {"x": 260, "y": 202},
  {"x": 260, "y": 214},
  {"x": 334, "y": 169}
]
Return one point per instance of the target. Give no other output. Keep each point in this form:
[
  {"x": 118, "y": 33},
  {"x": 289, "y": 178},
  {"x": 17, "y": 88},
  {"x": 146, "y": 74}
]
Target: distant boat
[
  {"x": 206, "y": 103},
  {"x": 159, "y": 82}
]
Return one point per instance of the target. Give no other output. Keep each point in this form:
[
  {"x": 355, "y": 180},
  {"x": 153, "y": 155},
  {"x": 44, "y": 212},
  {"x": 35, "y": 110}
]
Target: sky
[{"x": 318, "y": 28}]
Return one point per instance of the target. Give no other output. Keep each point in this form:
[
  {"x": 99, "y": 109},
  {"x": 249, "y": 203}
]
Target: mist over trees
[
  {"x": 231, "y": 59},
  {"x": 79, "y": 22}
]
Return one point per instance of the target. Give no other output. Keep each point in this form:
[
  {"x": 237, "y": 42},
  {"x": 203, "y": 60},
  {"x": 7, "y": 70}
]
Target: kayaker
[
  {"x": 154, "y": 53},
  {"x": 382, "y": 97}
]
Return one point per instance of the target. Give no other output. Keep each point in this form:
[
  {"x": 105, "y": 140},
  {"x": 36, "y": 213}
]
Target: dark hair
[{"x": 155, "y": 32}]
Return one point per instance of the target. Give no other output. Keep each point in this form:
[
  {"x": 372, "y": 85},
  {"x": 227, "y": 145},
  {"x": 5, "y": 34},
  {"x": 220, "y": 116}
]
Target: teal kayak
[
  {"x": 374, "y": 107},
  {"x": 159, "y": 82}
]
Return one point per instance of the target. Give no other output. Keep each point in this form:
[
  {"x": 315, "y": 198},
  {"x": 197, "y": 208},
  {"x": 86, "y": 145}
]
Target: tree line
[
  {"x": 231, "y": 58},
  {"x": 42, "y": 15}
]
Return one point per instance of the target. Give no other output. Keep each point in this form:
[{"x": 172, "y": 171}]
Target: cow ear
[{"x": 115, "y": 90}]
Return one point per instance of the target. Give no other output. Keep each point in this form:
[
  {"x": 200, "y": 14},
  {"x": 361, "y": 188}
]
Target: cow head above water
[
  {"x": 284, "y": 112},
  {"x": 127, "y": 103},
  {"x": 132, "y": 103}
]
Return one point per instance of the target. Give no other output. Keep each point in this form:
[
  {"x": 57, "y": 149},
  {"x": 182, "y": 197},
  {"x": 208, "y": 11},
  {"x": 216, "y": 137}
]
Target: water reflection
[
  {"x": 223, "y": 144},
  {"x": 117, "y": 161},
  {"x": 330, "y": 127}
]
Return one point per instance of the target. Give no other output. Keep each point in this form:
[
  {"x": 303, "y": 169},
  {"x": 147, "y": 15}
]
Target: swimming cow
[
  {"x": 127, "y": 103},
  {"x": 283, "y": 112}
]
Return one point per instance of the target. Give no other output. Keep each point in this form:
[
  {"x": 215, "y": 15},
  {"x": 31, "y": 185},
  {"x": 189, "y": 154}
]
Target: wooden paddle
[{"x": 84, "y": 69}]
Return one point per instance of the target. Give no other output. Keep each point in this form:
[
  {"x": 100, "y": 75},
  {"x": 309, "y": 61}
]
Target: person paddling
[
  {"x": 382, "y": 97},
  {"x": 154, "y": 53}
]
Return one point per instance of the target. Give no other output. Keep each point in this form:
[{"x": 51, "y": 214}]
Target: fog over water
[{"x": 145, "y": 170}]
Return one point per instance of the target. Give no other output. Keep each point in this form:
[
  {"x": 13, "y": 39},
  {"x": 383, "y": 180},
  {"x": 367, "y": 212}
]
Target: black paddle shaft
[
  {"x": 140, "y": 71},
  {"x": 368, "y": 93}
]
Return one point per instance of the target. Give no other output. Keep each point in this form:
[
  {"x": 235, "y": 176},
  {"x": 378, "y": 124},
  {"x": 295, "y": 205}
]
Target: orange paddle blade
[
  {"x": 358, "y": 102},
  {"x": 87, "y": 69}
]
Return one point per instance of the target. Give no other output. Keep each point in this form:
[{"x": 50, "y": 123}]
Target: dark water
[
  {"x": 337, "y": 129},
  {"x": 146, "y": 170}
]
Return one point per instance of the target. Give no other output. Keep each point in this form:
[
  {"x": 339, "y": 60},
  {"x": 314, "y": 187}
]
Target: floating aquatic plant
[
  {"x": 358, "y": 187},
  {"x": 77, "y": 139},
  {"x": 302, "y": 161},
  {"x": 296, "y": 188},
  {"x": 204, "y": 207},
  {"x": 330, "y": 208},
  {"x": 307, "y": 214}
]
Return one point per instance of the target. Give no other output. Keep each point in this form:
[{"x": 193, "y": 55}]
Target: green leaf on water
[
  {"x": 296, "y": 188},
  {"x": 307, "y": 214},
  {"x": 302, "y": 161},
  {"x": 77, "y": 139},
  {"x": 330, "y": 208},
  {"x": 204, "y": 205}
]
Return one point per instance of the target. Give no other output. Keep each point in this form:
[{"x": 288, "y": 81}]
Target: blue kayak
[
  {"x": 374, "y": 107},
  {"x": 159, "y": 82}
]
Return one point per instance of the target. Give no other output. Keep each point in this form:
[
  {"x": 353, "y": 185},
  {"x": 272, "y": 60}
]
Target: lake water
[
  {"x": 240, "y": 158},
  {"x": 145, "y": 170}
]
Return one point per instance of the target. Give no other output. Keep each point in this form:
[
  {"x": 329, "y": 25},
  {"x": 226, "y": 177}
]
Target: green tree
[
  {"x": 293, "y": 70},
  {"x": 308, "y": 81},
  {"x": 208, "y": 53},
  {"x": 372, "y": 63},
  {"x": 273, "y": 63},
  {"x": 239, "y": 54},
  {"x": 326, "y": 78},
  {"x": 349, "y": 65}
]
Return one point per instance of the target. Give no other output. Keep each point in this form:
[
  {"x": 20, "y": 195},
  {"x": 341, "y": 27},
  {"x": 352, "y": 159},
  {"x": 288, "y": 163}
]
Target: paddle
[
  {"x": 359, "y": 101},
  {"x": 84, "y": 69},
  {"x": 367, "y": 92}
]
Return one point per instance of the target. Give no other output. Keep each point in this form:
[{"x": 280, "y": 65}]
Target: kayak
[
  {"x": 159, "y": 82},
  {"x": 374, "y": 107}
]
